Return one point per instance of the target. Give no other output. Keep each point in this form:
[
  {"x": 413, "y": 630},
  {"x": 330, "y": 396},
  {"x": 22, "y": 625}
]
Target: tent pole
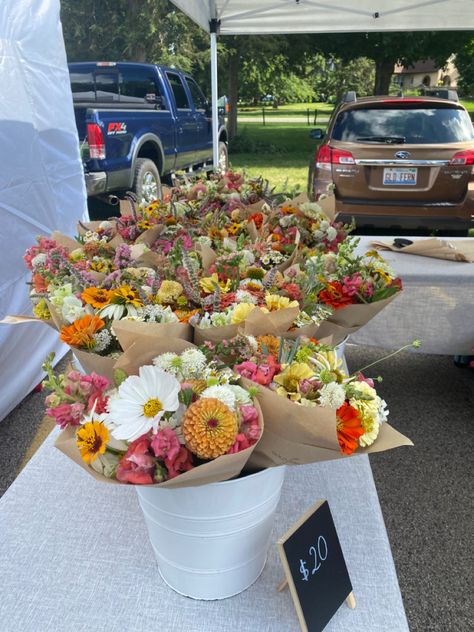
[{"x": 215, "y": 115}]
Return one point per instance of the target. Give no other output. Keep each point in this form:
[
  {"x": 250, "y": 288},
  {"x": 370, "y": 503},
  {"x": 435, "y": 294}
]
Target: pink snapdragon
[
  {"x": 67, "y": 414},
  {"x": 182, "y": 462},
  {"x": 137, "y": 466},
  {"x": 165, "y": 444}
]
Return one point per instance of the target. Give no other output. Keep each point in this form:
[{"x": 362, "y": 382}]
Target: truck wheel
[
  {"x": 147, "y": 182},
  {"x": 223, "y": 157}
]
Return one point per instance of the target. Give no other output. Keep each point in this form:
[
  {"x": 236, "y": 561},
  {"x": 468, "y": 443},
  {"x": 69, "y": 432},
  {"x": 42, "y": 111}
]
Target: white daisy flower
[
  {"x": 382, "y": 411},
  {"x": 332, "y": 395},
  {"x": 222, "y": 393},
  {"x": 141, "y": 402}
]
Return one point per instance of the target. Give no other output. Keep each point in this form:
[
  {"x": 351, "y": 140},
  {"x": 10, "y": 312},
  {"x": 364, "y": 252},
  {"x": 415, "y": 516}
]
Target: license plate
[{"x": 402, "y": 176}]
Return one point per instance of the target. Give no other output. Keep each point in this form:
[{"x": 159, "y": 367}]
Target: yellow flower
[
  {"x": 209, "y": 428},
  {"x": 367, "y": 408},
  {"x": 275, "y": 302},
  {"x": 99, "y": 264},
  {"x": 76, "y": 255},
  {"x": 91, "y": 439},
  {"x": 233, "y": 228},
  {"x": 169, "y": 292},
  {"x": 124, "y": 295},
  {"x": 291, "y": 378},
  {"x": 208, "y": 284},
  {"x": 40, "y": 310},
  {"x": 241, "y": 312},
  {"x": 386, "y": 277},
  {"x": 144, "y": 224}
]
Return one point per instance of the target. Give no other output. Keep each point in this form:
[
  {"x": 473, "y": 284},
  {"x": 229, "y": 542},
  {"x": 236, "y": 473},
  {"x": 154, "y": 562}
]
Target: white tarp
[
  {"x": 238, "y": 17},
  {"x": 41, "y": 179}
]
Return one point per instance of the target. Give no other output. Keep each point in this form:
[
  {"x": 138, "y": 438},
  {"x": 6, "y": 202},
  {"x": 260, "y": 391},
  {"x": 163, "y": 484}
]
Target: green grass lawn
[{"x": 281, "y": 154}]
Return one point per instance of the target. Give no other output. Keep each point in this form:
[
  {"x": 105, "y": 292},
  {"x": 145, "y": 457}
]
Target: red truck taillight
[
  {"x": 95, "y": 139},
  {"x": 325, "y": 157}
]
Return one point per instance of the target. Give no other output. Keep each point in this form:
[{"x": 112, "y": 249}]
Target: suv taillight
[
  {"x": 325, "y": 157},
  {"x": 463, "y": 158},
  {"x": 95, "y": 139}
]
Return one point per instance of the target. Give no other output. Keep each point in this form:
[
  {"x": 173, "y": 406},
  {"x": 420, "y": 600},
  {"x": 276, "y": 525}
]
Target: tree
[
  {"x": 387, "y": 49},
  {"x": 465, "y": 64}
]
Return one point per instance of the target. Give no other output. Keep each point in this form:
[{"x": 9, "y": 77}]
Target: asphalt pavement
[{"x": 425, "y": 492}]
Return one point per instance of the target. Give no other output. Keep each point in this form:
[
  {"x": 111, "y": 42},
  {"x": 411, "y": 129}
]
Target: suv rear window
[{"x": 420, "y": 125}]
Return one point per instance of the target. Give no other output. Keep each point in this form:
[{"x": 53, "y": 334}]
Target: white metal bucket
[{"x": 211, "y": 542}]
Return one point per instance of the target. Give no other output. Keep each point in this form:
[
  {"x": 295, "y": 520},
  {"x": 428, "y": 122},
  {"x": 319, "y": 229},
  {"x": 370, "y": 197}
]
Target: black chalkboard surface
[{"x": 315, "y": 567}]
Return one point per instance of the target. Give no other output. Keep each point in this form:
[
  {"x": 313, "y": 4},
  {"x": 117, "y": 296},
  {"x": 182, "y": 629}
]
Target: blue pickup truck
[{"x": 138, "y": 124}]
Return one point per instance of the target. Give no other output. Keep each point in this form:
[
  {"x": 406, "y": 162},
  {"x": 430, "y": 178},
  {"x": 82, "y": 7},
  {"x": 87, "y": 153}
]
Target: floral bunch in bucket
[
  {"x": 308, "y": 400},
  {"x": 180, "y": 417}
]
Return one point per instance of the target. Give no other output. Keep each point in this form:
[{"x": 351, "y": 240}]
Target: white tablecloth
[
  {"x": 75, "y": 557},
  {"x": 436, "y": 305}
]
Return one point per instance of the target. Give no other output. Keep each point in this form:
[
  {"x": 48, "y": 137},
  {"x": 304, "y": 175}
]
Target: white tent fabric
[
  {"x": 238, "y": 17},
  {"x": 41, "y": 178}
]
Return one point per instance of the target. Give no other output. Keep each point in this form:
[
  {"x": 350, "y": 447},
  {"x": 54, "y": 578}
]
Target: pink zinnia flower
[{"x": 247, "y": 369}]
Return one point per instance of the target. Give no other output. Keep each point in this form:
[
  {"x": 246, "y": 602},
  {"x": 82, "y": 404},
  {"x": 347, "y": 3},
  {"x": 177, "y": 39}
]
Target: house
[{"x": 425, "y": 74}]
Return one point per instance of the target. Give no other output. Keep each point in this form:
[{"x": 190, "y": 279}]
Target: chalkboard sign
[{"x": 315, "y": 568}]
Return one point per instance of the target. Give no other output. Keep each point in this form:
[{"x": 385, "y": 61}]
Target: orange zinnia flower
[
  {"x": 39, "y": 283},
  {"x": 184, "y": 315},
  {"x": 349, "y": 428},
  {"x": 81, "y": 332},
  {"x": 333, "y": 295},
  {"x": 97, "y": 297}
]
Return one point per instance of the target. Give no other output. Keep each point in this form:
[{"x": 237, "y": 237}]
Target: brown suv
[{"x": 398, "y": 163}]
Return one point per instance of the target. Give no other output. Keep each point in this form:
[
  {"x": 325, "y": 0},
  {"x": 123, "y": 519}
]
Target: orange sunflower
[
  {"x": 81, "y": 333},
  {"x": 96, "y": 296},
  {"x": 349, "y": 428}
]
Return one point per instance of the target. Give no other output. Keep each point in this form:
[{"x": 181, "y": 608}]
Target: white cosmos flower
[{"x": 141, "y": 402}]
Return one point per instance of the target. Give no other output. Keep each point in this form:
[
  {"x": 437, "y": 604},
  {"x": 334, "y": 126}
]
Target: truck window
[
  {"x": 199, "y": 100},
  {"x": 138, "y": 85},
  {"x": 180, "y": 97},
  {"x": 82, "y": 86},
  {"x": 106, "y": 86}
]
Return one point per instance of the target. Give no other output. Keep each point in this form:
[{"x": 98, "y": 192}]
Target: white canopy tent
[
  {"x": 41, "y": 177},
  {"x": 264, "y": 17}
]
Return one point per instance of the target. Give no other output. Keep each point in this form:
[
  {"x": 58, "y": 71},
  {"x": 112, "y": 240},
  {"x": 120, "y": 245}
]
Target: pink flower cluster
[
  {"x": 249, "y": 430},
  {"x": 140, "y": 464},
  {"x": 86, "y": 391},
  {"x": 355, "y": 284},
  {"x": 262, "y": 373}
]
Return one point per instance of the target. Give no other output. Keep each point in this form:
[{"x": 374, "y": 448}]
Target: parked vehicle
[
  {"x": 139, "y": 123},
  {"x": 398, "y": 163}
]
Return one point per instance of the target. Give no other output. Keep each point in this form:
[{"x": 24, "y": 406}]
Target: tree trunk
[
  {"x": 383, "y": 75},
  {"x": 234, "y": 63}
]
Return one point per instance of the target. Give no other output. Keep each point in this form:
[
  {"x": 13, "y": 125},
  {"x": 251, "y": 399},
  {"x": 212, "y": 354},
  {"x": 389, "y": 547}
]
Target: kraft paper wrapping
[
  {"x": 208, "y": 256},
  {"x": 66, "y": 242},
  {"x": 349, "y": 319},
  {"x": 276, "y": 323},
  {"x": 149, "y": 236},
  {"x": 296, "y": 434},
  {"x": 224, "y": 467},
  {"x": 93, "y": 362},
  {"x": 215, "y": 334},
  {"x": 21, "y": 320},
  {"x": 127, "y": 331},
  {"x": 459, "y": 250}
]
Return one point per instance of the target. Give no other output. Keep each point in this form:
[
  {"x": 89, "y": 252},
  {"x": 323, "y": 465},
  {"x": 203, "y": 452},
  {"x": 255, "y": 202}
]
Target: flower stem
[{"x": 390, "y": 355}]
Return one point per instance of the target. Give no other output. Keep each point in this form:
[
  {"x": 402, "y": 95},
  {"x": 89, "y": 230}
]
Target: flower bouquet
[
  {"x": 172, "y": 418},
  {"x": 313, "y": 411}
]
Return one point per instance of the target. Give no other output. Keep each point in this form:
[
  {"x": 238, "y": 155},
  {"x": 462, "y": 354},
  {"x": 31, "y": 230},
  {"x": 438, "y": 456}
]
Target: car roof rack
[
  {"x": 349, "y": 97},
  {"x": 442, "y": 93}
]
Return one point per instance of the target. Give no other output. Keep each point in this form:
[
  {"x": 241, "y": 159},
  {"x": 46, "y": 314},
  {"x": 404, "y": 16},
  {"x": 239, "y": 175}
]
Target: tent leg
[{"x": 215, "y": 116}]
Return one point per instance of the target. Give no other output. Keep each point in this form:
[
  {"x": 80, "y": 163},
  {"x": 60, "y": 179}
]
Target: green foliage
[
  {"x": 465, "y": 65},
  {"x": 245, "y": 143}
]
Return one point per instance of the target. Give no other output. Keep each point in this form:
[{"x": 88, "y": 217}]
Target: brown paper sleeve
[
  {"x": 463, "y": 250},
  {"x": 327, "y": 204},
  {"x": 150, "y": 236},
  {"x": 215, "y": 334},
  {"x": 66, "y": 242},
  {"x": 127, "y": 331},
  {"x": 21, "y": 320},
  {"x": 358, "y": 315},
  {"x": 93, "y": 362},
  {"x": 145, "y": 348},
  {"x": 208, "y": 256},
  {"x": 220, "y": 469},
  {"x": 276, "y": 323}
]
